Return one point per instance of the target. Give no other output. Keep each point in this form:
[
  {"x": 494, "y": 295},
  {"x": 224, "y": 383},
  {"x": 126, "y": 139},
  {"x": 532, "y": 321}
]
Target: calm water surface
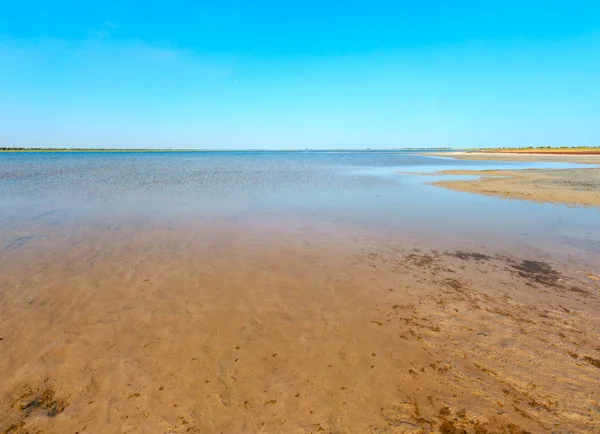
[{"x": 54, "y": 194}]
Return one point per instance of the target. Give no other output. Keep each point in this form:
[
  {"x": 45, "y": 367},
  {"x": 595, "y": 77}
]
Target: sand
[
  {"x": 506, "y": 156},
  {"x": 175, "y": 329},
  {"x": 566, "y": 186},
  {"x": 550, "y": 151}
]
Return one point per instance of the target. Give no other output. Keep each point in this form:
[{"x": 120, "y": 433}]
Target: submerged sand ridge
[{"x": 217, "y": 329}]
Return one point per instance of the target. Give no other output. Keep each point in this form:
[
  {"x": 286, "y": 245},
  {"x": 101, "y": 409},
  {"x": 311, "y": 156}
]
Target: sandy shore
[
  {"x": 190, "y": 330},
  {"x": 568, "y": 186},
  {"x": 505, "y": 156}
]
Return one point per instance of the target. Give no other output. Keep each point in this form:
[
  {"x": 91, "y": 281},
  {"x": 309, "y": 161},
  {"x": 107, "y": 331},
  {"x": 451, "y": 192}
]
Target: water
[
  {"x": 213, "y": 178},
  {"x": 370, "y": 190}
]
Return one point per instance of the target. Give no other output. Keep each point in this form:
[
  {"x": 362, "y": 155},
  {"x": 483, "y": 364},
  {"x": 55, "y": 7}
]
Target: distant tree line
[{"x": 19, "y": 148}]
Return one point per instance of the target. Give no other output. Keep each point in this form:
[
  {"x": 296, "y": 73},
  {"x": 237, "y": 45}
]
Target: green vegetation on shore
[{"x": 19, "y": 149}]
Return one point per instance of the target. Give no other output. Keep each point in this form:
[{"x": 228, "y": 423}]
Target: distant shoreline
[
  {"x": 581, "y": 157},
  {"x": 470, "y": 152},
  {"x": 543, "y": 151},
  {"x": 225, "y": 150}
]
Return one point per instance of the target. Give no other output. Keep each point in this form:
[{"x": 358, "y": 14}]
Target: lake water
[{"x": 50, "y": 192}]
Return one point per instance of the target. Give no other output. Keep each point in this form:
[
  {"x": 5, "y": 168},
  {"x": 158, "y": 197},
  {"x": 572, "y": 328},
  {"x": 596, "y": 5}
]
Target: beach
[
  {"x": 570, "y": 157},
  {"x": 182, "y": 294}
]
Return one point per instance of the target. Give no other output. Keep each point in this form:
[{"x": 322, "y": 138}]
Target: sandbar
[
  {"x": 580, "y": 186},
  {"x": 567, "y": 186}
]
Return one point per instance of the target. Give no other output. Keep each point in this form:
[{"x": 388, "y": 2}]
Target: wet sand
[
  {"x": 567, "y": 186},
  {"x": 182, "y": 329}
]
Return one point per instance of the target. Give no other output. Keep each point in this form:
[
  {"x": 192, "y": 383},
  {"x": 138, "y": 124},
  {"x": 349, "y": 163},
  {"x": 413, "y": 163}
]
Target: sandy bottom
[
  {"x": 189, "y": 330},
  {"x": 569, "y": 186}
]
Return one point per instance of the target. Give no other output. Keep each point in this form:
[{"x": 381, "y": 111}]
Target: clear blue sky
[{"x": 282, "y": 74}]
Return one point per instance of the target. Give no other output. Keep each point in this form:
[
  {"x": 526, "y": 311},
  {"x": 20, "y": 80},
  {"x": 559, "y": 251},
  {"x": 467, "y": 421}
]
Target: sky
[{"x": 295, "y": 75}]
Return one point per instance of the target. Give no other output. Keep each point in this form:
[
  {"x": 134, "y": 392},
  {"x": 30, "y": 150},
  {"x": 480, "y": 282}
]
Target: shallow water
[
  {"x": 290, "y": 292},
  {"x": 373, "y": 190}
]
